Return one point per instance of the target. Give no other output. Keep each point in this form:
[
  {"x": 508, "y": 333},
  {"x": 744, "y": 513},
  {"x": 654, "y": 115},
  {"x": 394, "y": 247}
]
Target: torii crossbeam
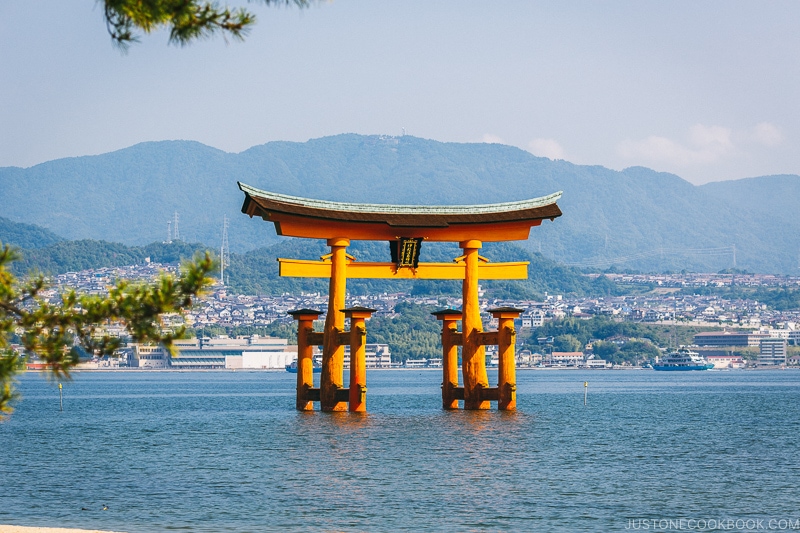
[{"x": 407, "y": 226}]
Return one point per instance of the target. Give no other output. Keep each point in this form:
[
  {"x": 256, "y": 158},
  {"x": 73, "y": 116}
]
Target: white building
[
  {"x": 533, "y": 318},
  {"x": 376, "y": 355},
  {"x": 794, "y": 337},
  {"x": 266, "y": 360},
  {"x": 725, "y": 361},
  {"x": 150, "y": 357},
  {"x": 591, "y": 362},
  {"x": 565, "y": 358},
  {"x": 772, "y": 352},
  {"x": 217, "y": 353},
  {"x": 778, "y": 333}
]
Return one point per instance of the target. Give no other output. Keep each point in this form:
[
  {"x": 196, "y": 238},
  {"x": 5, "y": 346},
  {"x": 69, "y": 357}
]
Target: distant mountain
[
  {"x": 130, "y": 195},
  {"x": 26, "y": 235},
  {"x": 767, "y": 220},
  {"x": 636, "y": 218}
]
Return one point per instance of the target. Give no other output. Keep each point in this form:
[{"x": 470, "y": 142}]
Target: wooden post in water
[
  {"x": 473, "y": 354},
  {"x": 332, "y": 378},
  {"x": 450, "y": 342},
  {"x": 305, "y": 364},
  {"x": 507, "y": 368},
  {"x": 358, "y": 357}
]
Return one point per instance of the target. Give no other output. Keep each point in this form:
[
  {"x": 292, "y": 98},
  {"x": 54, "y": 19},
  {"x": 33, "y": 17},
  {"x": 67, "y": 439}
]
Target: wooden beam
[
  {"x": 342, "y": 338},
  {"x": 487, "y": 338},
  {"x": 491, "y": 394},
  {"x": 457, "y": 338},
  {"x": 302, "y": 268},
  {"x": 312, "y": 394},
  {"x": 315, "y": 338},
  {"x": 343, "y": 394}
]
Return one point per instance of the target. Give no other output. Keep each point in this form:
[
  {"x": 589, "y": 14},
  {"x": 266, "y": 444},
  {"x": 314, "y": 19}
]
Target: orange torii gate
[{"x": 406, "y": 227}]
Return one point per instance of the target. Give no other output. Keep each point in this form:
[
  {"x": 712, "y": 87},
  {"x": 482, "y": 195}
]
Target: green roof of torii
[{"x": 391, "y": 209}]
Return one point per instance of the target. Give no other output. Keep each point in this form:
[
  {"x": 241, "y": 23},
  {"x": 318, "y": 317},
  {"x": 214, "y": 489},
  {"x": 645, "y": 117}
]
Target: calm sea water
[{"x": 208, "y": 452}]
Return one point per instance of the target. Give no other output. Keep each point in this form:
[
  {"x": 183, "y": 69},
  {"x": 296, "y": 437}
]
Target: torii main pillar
[
  {"x": 332, "y": 380},
  {"x": 473, "y": 354}
]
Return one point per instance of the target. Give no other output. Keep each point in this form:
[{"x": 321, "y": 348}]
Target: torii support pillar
[
  {"x": 473, "y": 354},
  {"x": 451, "y": 339},
  {"x": 507, "y": 370},
  {"x": 306, "y": 393},
  {"x": 332, "y": 379},
  {"x": 358, "y": 357}
]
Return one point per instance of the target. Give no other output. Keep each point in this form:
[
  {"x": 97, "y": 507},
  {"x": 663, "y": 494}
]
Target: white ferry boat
[{"x": 683, "y": 359}]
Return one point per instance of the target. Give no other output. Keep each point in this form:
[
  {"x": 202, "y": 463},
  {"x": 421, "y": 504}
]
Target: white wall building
[
  {"x": 772, "y": 352},
  {"x": 267, "y": 360},
  {"x": 151, "y": 357}
]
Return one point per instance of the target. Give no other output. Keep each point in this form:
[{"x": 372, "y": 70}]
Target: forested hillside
[{"x": 26, "y": 235}]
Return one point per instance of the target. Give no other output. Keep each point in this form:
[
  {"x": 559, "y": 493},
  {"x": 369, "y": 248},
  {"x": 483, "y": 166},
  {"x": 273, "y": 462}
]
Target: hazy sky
[{"x": 707, "y": 90}]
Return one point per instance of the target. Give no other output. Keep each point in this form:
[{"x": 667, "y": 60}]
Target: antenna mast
[
  {"x": 175, "y": 233},
  {"x": 224, "y": 253}
]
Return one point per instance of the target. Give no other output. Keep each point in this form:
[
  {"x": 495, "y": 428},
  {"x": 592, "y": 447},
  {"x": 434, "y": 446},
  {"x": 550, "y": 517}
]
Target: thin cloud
[
  {"x": 549, "y": 148},
  {"x": 767, "y": 134},
  {"x": 489, "y": 138},
  {"x": 705, "y": 144}
]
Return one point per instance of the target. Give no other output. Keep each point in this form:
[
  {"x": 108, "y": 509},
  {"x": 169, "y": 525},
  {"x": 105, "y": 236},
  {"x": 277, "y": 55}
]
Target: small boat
[
  {"x": 293, "y": 367},
  {"x": 683, "y": 359}
]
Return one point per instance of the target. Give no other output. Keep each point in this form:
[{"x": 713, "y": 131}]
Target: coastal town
[{"x": 732, "y": 323}]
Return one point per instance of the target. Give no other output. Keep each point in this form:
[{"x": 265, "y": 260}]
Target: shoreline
[
  {"x": 404, "y": 369},
  {"x": 5, "y": 528}
]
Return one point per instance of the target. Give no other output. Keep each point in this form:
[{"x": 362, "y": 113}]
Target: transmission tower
[
  {"x": 176, "y": 235},
  {"x": 169, "y": 232},
  {"x": 224, "y": 253}
]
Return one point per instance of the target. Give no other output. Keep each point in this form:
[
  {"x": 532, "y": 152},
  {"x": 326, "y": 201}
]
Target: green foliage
[
  {"x": 187, "y": 20},
  {"x": 599, "y": 327},
  {"x": 639, "y": 350},
  {"x": 54, "y": 331},
  {"x": 414, "y": 334},
  {"x": 567, "y": 343},
  {"x": 26, "y": 235},
  {"x": 605, "y": 350},
  {"x": 72, "y": 256},
  {"x": 631, "y": 351}
]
